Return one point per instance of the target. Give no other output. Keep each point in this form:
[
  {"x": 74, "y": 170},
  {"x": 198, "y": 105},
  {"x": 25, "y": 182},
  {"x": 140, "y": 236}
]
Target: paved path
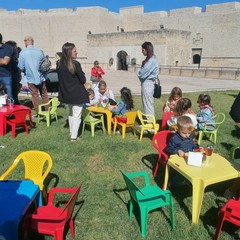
[{"x": 118, "y": 79}]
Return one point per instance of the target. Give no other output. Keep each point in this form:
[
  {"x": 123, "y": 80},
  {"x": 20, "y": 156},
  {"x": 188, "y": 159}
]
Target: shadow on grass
[
  {"x": 51, "y": 180},
  {"x": 236, "y": 132}
]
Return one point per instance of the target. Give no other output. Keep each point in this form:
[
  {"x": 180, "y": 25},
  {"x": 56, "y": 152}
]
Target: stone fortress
[{"x": 188, "y": 41}]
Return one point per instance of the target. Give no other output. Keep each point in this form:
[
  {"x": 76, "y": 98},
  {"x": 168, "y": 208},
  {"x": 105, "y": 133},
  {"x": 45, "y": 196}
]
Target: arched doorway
[
  {"x": 122, "y": 61},
  {"x": 196, "y": 59}
]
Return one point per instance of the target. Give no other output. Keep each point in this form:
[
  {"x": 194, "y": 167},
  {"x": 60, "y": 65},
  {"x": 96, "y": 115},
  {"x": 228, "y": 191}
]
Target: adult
[
  {"x": 71, "y": 87},
  {"x": 147, "y": 74},
  {"x": 235, "y": 110},
  {"x": 29, "y": 61},
  {"x": 5, "y": 67},
  {"x": 16, "y": 73},
  {"x": 96, "y": 75}
]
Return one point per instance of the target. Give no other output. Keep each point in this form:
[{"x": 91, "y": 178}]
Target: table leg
[
  {"x": 109, "y": 121},
  {"x": 167, "y": 169},
  {"x": 2, "y": 125},
  {"x": 198, "y": 192}
]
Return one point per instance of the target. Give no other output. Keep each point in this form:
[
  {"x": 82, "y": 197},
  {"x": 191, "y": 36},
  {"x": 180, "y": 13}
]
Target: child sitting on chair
[
  {"x": 171, "y": 103},
  {"x": 123, "y": 106},
  {"x": 92, "y": 99},
  {"x": 206, "y": 113},
  {"x": 183, "y": 140}
]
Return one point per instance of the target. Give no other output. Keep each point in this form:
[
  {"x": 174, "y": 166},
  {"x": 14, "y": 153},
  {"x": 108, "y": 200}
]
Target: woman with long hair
[
  {"x": 71, "y": 87},
  {"x": 147, "y": 74}
]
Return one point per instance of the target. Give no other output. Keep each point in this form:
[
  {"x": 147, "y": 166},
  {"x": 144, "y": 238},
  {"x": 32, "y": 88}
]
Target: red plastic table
[{"x": 6, "y": 111}]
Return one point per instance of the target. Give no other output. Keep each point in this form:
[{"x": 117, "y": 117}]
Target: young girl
[
  {"x": 124, "y": 105},
  {"x": 103, "y": 94},
  {"x": 183, "y": 108},
  {"x": 205, "y": 115},
  {"x": 175, "y": 95},
  {"x": 92, "y": 99}
]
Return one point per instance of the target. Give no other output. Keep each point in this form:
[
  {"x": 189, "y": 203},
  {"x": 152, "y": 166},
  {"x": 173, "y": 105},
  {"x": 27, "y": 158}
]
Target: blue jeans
[{"x": 7, "y": 85}]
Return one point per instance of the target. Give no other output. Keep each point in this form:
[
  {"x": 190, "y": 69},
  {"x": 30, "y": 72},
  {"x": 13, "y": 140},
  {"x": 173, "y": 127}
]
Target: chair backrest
[
  {"x": 37, "y": 165},
  {"x": 69, "y": 207},
  {"x": 20, "y": 115},
  {"x": 54, "y": 105},
  {"x": 132, "y": 187},
  {"x": 131, "y": 117},
  {"x": 165, "y": 117},
  {"x": 160, "y": 141},
  {"x": 142, "y": 117},
  {"x": 85, "y": 114},
  {"x": 219, "y": 119}
]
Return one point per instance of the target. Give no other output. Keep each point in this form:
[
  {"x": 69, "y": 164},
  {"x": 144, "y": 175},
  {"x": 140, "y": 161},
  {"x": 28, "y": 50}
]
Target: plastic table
[
  {"x": 105, "y": 111},
  {"x": 15, "y": 198},
  {"x": 6, "y": 111},
  {"x": 218, "y": 170}
]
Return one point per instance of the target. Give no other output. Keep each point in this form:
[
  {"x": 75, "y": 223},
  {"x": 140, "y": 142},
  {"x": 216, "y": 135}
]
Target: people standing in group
[
  {"x": 5, "y": 67},
  {"x": 16, "y": 73},
  {"x": 96, "y": 75},
  {"x": 29, "y": 62},
  {"x": 71, "y": 87},
  {"x": 147, "y": 74},
  {"x": 174, "y": 97}
]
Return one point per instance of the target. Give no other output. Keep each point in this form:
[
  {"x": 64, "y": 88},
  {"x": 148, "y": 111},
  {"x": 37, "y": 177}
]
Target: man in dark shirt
[{"x": 5, "y": 67}]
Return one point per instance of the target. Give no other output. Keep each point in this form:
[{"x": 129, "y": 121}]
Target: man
[
  {"x": 5, "y": 67},
  {"x": 29, "y": 61}
]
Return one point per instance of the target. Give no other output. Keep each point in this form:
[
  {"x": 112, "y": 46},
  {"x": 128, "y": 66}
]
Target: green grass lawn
[{"x": 103, "y": 200}]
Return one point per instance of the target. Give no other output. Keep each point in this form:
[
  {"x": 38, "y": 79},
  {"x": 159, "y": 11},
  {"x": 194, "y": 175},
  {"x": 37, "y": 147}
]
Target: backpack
[{"x": 45, "y": 64}]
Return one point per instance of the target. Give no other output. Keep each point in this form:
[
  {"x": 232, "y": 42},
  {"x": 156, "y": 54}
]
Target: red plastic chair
[
  {"x": 18, "y": 119},
  {"x": 229, "y": 212},
  {"x": 50, "y": 219},
  {"x": 160, "y": 141},
  {"x": 165, "y": 117}
]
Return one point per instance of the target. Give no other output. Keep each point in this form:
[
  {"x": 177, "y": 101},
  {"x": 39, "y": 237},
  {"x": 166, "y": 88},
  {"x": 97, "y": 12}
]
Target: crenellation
[{"x": 185, "y": 12}]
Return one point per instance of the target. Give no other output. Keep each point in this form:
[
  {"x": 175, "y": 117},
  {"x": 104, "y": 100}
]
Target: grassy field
[{"x": 103, "y": 200}]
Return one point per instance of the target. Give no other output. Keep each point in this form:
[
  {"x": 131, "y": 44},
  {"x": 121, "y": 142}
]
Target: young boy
[
  {"x": 92, "y": 99},
  {"x": 183, "y": 140}
]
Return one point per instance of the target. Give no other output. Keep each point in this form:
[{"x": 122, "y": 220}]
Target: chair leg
[
  {"x": 156, "y": 169},
  {"x": 141, "y": 134},
  {"x": 144, "y": 219},
  {"x": 26, "y": 128},
  {"x": 13, "y": 131},
  {"x": 92, "y": 129},
  {"x": 83, "y": 128},
  {"x": 48, "y": 120},
  {"x": 123, "y": 131},
  {"x": 71, "y": 225},
  {"x": 114, "y": 127},
  {"x": 200, "y": 135},
  {"x": 219, "y": 225},
  {"x": 103, "y": 127}
]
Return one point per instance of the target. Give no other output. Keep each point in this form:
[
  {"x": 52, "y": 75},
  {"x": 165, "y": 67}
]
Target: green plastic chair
[
  {"x": 52, "y": 110},
  {"x": 148, "y": 198},
  {"x": 219, "y": 119},
  {"x": 233, "y": 152},
  {"x": 90, "y": 118}
]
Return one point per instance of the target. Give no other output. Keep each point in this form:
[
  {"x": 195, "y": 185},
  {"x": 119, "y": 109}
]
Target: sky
[{"x": 111, "y": 5}]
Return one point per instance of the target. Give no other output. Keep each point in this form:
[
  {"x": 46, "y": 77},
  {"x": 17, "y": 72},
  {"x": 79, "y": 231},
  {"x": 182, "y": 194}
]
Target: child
[
  {"x": 124, "y": 105},
  {"x": 92, "y": 99},
  {"x": 183, "y": 140},
  {"x": 183, "y": 108},
  {"x": 103, "y": 94},
  {"x": 205, "y": 115},
  {"x": 175, "y": 95}
]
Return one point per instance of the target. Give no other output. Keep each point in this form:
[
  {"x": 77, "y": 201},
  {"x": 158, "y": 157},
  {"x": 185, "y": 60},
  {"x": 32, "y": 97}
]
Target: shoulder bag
[{"x": 157, "y": 88}]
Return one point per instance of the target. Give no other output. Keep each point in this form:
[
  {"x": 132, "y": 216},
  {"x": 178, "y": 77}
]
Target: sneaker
[
  {"x": 151, "y": 131},
  {"x": 35, "y": 116}
]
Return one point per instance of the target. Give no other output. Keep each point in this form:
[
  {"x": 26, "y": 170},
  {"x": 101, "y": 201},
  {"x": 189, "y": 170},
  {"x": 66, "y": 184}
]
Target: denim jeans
[{"x": 7, "y": 85}]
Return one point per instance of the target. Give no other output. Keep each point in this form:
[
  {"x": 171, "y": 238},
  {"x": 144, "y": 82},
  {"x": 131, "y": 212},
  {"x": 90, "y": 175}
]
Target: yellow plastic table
[
  {"x": 105, "y": 111},
  {"x": 218, "y": 170}
]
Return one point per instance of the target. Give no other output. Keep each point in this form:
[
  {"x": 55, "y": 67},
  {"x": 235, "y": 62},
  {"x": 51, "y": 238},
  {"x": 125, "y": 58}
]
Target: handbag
[
  {"x": 157, "y": 88},
  {"x": 94, "y": 79}
]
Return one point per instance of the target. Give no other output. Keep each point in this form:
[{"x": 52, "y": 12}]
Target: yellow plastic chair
[
  {"x": 131, "y": 118},
  {"x": 148, "y": 123},
  {"x": 91, "y": 119},
  {"x": 219, "y": 119},
  {"x": 52, "y": 110},
  {"x": 37, "y": 166}
]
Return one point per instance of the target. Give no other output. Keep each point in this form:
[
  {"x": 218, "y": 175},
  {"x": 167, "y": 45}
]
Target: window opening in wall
[{"x": 117, "y": 28}]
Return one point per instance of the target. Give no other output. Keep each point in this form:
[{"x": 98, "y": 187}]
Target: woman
[
  {"x": 147, "y": 74},
  {"x": 71, "y": 87},
  {"x": 96, "y": 75}
]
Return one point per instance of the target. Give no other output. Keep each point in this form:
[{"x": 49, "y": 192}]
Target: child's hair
[
  {"x": 90, "y": 92},
  {"x": 204, "y": 98},
  {"x": 175, "y": 91},
  {"x": 102, "y": 83},
  {"x": 126, "y": 96},
  {"x": 185, "y": 122},
  {"x": 182, "y": 106}
]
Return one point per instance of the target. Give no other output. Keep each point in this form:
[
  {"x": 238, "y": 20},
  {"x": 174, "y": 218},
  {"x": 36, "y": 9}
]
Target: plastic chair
[
  {"x": 160, "y": 141},
  {"x": 219, "y": 119},
  {"x": 50, "y": 219},
  {"x": 229, "y": 212},
  {"x": 165, "y": 117},
  {"x": 90, "y": 118},
  {"x": 52, "y": 110},
  {"x": 148, "y": 198},
  {"x": 18, "y": 119},
  {"x": 131, "y": 118},
  {"x": 148, "y": 123},
  {"x": 37, "y": 165}
]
